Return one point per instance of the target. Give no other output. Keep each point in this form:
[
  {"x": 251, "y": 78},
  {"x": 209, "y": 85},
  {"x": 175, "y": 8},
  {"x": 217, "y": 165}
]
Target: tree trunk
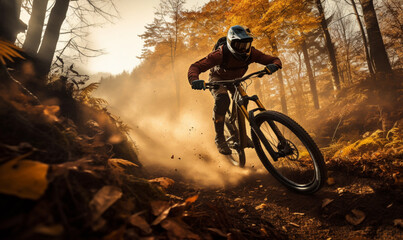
[
  {"x": 35, "y": 26},
  {"x": 19, "y": 5},
  {"x": 364, "y": 39},
  {"x": 294, "y": 96},
  {"x": 51, "y": 37},
  {"x": 376, "y": 46},
  {"x": 258, "y": 88},
  {"x": 280, "y": 80},
  {"x": 10, "y": 24},
  {"x": 312, "y": 81},
  {"x": 299, "y": 86},
  {"x": 329, "y": 47}
]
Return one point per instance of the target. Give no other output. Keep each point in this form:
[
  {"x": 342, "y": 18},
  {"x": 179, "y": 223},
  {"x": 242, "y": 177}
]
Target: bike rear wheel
[
  {"x": 297, "y": 162},
  {"x": 232, "y": 133}
]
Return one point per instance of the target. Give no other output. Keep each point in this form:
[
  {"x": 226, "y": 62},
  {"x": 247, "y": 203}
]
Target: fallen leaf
[
  {"x": 261, "y": 206},
  {"x": 326, "y": 202},
  {"x": 366, "y": 190},
  {"x": 330, "y": 181},
  {"x": 98, "y": 224},
  {"x": 158, "y": 207},
  {"x": 103, "y": 199},
  {"x": 119, "y": 165},
  {"x": 115, "y": 161},
  {"x": 299, "y": 213},
  {"x": 23, "y": 178},
  {"x": 242, "y": 210},
  {"x": 138, "y": 221},
  {"x": 178, "y": 229},
  {"x": 50, "y": 113},
  {"x": 217, "y": 231},
  {"x": 52, "y": 230},
  {"x": 192, "y": 199},
  {"x": 398, "y": 222},
  {"x": 22, "y": 147},
  {"x": 356, "y": 218},
  {"x": 237, "y": 199},
  {"x": 162, "y": 209},
  {"x": 340, "y": 191},
  {"x": 398, "y": 178},
  {"x": 264, "y": 232},
  {"x": 117, "y": 234},
  {"x": 161, "y": 217},
  {"x": 294, "y": 224},
  {"x": 64, "y": 168},
  {"x": 174, "y": 197},
  {"x": 163, "y": 181}
]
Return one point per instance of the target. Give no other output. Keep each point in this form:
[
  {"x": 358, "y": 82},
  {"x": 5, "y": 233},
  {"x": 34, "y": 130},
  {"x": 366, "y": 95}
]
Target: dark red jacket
[{"x": 233, "y": 68}]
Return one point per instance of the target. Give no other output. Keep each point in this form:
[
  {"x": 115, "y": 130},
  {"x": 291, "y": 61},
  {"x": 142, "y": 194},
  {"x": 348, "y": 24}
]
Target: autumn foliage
[{"x": 68, "y": 168}]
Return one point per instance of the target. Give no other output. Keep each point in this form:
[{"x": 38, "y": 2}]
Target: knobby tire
[{"x": 285, "y": 168}]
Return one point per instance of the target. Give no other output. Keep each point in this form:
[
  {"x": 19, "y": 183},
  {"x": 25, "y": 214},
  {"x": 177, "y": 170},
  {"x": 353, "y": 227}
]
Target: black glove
[
  {"x": 271, "y": 68},
  {"x": 199, "y": 85}
]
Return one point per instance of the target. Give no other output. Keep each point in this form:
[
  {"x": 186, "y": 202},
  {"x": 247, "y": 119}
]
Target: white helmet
[{"x": 239, "y": 42}]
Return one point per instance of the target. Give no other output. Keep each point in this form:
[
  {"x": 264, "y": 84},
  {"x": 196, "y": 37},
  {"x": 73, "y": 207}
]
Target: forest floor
[
  {"x": 70, "y": 172},
  {"x": 261, "y": 208}
]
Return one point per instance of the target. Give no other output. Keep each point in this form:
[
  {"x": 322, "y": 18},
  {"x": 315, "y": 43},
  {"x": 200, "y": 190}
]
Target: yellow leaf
[
  {"x": 261, "y": 206},
  {"x": 24, "y": 179},
  {"x": 192, "y": 199},
  {"x": 50, "y": 113},
  {"x": 9, "y": 51}
]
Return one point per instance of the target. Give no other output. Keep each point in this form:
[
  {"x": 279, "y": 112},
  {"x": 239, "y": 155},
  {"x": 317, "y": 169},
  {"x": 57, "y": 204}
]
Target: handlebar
[{"x": 236, "y": 81}]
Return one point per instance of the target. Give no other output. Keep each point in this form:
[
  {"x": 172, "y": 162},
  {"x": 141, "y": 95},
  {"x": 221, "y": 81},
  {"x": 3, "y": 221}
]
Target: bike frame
[{"x": 241, "y": 100}]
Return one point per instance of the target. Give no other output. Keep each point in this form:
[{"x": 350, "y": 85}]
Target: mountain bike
[{"x": 283, "y": 146}]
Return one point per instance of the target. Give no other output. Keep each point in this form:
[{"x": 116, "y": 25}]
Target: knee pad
[{"x": 221, "y": 105}]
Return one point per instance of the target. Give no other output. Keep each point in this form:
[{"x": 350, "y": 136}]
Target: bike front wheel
[{"x": 294, "y": 159}]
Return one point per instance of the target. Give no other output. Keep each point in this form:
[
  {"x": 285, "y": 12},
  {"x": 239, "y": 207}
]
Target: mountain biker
[{"x": 227, "y": 62}]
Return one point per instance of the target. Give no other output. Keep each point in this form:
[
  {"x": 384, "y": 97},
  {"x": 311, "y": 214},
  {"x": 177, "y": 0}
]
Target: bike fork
[
  {"x": 260, "y": 134},
  {"x": 242, "y": 104}
]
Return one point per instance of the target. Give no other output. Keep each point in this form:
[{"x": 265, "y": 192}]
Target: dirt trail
[{"x": 261, "y": 208}]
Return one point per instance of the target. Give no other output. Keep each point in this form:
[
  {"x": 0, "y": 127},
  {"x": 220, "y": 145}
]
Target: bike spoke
[
  {"x": 290, "y": 163},
  {"x": 268, "y": 132}
]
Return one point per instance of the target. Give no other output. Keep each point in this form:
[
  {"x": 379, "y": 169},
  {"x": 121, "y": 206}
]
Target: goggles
[{"x": 241, "y": 47}]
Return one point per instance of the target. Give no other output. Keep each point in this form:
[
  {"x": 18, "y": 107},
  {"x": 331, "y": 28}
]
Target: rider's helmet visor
[{"x": 241, "y": 46}]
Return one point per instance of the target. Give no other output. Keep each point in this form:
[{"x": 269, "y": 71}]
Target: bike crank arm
[{"x": 260, "y": 134}]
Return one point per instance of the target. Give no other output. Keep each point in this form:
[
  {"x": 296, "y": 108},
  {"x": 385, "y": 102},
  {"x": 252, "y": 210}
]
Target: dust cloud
[{"x": 173, "y": 139}]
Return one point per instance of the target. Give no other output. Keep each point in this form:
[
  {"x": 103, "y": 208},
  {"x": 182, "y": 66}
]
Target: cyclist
[{"x": 228, "y": 61}]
